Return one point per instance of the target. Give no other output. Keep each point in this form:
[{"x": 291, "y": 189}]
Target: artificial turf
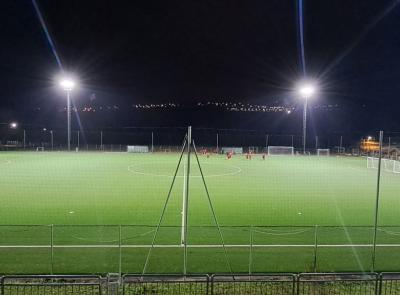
[{"x": 81, "y": 199}]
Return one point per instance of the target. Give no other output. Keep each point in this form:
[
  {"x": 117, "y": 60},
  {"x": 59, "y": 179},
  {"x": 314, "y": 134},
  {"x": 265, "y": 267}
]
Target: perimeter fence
[
  {"x": 170, "y": 139},
  {"x": 123, "y": 249},
  {"x": 277, "y": 284}
]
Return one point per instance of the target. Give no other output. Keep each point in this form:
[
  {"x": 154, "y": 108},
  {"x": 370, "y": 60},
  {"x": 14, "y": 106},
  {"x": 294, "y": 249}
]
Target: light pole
[
  {"x": 306, "y": 91},
  {"x": 14, "y": 125},
  {"x": 68, "y": 85}
]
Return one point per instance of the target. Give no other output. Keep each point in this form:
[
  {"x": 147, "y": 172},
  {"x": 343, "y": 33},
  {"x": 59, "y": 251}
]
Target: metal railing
[
  {"x": 218, "y": 284},
  {"x": 51, "y": 284},
  {"x": 56, "y": 249}
]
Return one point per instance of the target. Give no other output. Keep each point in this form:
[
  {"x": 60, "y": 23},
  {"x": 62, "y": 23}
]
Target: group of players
[{"x": 230, "y": 154}]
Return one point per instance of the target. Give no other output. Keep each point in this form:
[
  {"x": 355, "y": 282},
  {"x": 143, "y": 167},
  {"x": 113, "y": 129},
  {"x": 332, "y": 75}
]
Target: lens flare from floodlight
[
  {"x": 306, "y": 90},
  {"x": 13, "y": 125},
  {"x": 369, "y": 138},
  {"x": 67, "y": 84}
]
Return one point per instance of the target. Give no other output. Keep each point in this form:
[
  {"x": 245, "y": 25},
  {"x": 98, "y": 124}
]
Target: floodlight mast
[
  {"x": 306, "y": 91},
  {"x": 68, "y": 85}
]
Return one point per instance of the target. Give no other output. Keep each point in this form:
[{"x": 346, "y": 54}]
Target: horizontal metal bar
[{"x": 205, "y": 246}]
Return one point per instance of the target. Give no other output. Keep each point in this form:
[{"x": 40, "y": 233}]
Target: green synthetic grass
[{"x": 86, "y": 196}]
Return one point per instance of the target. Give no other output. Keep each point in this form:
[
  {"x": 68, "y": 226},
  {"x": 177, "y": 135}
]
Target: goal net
[
  {"x": 323, "y": 152},
  {"x": 233, "y": 150},
  {"x": 137, "y": 149},
  {"x": 386, "y": 164},
  {"x": 40, "y": 149},
  {"x": 280, "y": 150}
]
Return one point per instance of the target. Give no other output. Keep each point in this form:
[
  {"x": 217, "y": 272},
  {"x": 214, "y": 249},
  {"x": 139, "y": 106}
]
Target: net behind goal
[
  {"x": 386, "y": 164},
  {"x": 233, "y": 150},
  {"x": 323, "y": 152},
  {"x": 280, "y": 150},
  {"x": 137, "y": 149}
]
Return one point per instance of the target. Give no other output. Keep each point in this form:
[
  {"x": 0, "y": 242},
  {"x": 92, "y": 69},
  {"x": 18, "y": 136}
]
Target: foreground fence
[
  {"x": 62, "y": 249},
  {"x": 276, "y": 284}
]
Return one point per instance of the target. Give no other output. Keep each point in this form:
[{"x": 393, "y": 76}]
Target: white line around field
[{"x": 204, "y": 246}]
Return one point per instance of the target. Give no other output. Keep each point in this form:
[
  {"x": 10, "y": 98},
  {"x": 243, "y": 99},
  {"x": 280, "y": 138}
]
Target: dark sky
[{"x": 186, "y": 51}]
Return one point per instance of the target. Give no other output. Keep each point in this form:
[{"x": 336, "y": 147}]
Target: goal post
[
  {"x": 387, "y": 165},
  {"x": 137, "y": 149},
  {"x": 280, "y": 150},
  {"x": 323, "y": 152},
  {"x": 233, "y": 150}
]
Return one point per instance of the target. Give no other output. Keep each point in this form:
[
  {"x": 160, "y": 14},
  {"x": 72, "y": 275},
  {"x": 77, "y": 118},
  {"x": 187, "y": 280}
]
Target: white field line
[
  {"x": 205, "y": 246},
  {"x": 237, "y": 171}
]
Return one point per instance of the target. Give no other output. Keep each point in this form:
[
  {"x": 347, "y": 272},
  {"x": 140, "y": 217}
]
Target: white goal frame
[
  {"x": 137, "y": 149},
  {"x": 323, "y": 152},
  {"x": 387, "y": 165},
  {"x": 280, "y": 150},
  {"x": 40, "y": 149}
]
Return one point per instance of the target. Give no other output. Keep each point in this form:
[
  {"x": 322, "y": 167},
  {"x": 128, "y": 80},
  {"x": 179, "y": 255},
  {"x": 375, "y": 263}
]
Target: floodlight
[
  {"x": 13, "y": 125},
  {"x": 67, "y": 84},
  {"x": 369, "y": 138},
  {"x": 306, "y": 90}
]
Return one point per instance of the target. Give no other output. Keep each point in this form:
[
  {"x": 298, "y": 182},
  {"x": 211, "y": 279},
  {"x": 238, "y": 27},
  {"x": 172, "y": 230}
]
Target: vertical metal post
[
  {"x": 217, "y": 144},
  {"x": 266, "y": 142},
  {"x": 52, "y": 249},
  {"x": 101, "y": 140},
  {"x": 52, "y": 139},
  {"x": 341, "y": 144},
  {"x": 315, "y": 247},
  {"x": 69, "y": 121},
  {"x": 24, "y": 143},
  {"x": 377, "y": 199},
  {"x": 186, "y": 199},
  {"x": 152, "y": 141},
  {"x": 120, "y": 250},
  {"x": 316, "y": 142},
  {"x": 78, "y": 139},
  {"x": 389, "y": 148},
  {"x": 183, "y": 205},
  {"x": 251, "y": 250},
  {"x": 292, "y": 140},
  {"x": 305, "y": 124}
]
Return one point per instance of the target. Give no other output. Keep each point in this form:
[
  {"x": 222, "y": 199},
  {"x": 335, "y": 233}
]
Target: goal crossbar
[
  {"x": 280, "y": 150},
  {"x": 387, "y": 165},
  {"x": 323, "y": 152}
]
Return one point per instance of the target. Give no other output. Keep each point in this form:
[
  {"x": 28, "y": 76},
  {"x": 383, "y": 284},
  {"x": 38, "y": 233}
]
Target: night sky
[{"x": 128, "y": 52}]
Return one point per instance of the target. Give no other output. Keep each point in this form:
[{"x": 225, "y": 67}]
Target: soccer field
[{"x": 93, "y": 212}]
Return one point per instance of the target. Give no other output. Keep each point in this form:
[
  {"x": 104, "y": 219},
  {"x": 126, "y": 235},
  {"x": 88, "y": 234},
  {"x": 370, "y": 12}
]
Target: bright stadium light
[
  {"x": 68, "y": 84},
  {"x": 13, "y": 125},
  {"x": 306, "y": 90}
]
